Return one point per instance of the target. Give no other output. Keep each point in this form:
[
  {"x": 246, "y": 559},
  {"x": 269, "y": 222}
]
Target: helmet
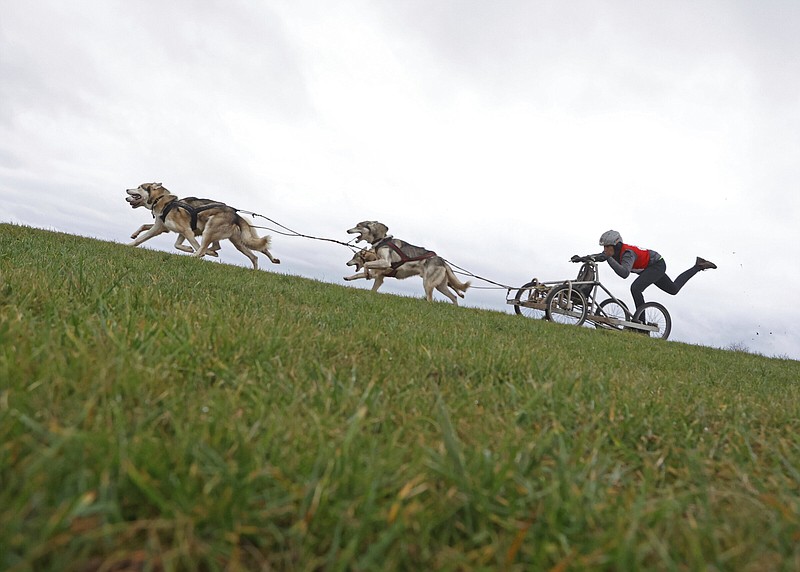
[{"x": 610, "y": 238}]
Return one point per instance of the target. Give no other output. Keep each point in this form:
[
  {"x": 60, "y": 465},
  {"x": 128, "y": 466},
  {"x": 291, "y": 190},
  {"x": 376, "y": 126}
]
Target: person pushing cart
[{"x": 650, "y": 266}]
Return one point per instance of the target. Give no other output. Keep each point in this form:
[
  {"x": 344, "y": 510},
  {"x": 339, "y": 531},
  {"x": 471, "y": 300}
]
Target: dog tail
[
  {"x": 454, "y": 282},
  {"x": 250, "y": 237}
]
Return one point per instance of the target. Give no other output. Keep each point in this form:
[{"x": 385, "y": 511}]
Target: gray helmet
[{"x": 610, "y": 238}]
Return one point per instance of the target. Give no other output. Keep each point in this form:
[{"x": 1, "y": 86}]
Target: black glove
[{"x": 575, "y": 258}]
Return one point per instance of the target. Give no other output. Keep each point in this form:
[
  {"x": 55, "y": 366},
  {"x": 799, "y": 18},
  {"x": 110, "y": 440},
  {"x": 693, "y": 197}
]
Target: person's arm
[{"x": 623, "y": 269}]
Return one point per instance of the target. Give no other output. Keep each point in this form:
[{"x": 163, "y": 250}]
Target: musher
[{"x": 648, "y": 264}]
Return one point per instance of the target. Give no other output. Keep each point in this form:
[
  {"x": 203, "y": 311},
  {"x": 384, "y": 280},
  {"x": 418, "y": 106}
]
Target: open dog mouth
[
  {"x": 135, "y": 199},
  {"x": 360, "y": 231}
]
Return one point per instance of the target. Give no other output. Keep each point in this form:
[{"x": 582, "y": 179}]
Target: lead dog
[
  {"x": 160, "y": 228},
  {"x": 218, "y": 222},
  {"x": 395, "y": 258}
]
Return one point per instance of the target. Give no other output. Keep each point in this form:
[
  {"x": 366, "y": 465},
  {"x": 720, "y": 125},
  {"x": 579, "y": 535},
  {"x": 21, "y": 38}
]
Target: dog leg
[
  {"x": 380, "y": 264},
  {"x": 251, "y": 240},
  {"x": 201, "y": 249},
  {"x": 271, "y": 258},
  {"x": 154, "y": 231},
  {"x": 196, "y": 245},
  {"x": 442, "y": 287},
  {"x": 428, "y": 287},
  {"x": 237, "y": 242},
  {"x": 141, "y": 229},
  {"x": 454, "y": 283},
  {"x": 180, "y": 246},
  {"x": 213, "y": 250},
  {"x": 433, "y": 276},
  {"x": 378, "y": 282},
  {"x": 362, "y": 274}
]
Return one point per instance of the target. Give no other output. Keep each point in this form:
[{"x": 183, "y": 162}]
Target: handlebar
[{"x": 588, "y": 258}]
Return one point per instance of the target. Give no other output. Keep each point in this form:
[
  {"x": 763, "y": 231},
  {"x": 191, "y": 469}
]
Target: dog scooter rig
[{"x": 575, "y": 302}]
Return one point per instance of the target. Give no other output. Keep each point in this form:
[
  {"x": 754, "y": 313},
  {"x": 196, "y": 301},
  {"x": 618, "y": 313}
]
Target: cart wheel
[
  {"x": 524, "y": 294},
  {"x": 654, "y": 314},
  {"x": 612, "y": 308},
  {"x": 563, "y": 308}
]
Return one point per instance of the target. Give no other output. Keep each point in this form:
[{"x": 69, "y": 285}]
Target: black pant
[{"x": 657, "y": 274}]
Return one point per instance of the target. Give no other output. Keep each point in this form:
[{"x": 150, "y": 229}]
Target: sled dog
[
  {"x": 394, "y": 258},
  {"x": 160, "y": 228},
  {"x": 217, "y": 221},
  {"x": 363, "y": 256}
]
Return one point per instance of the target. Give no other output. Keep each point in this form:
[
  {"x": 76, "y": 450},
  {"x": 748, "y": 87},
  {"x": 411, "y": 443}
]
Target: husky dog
[
  {"x": 363, "y": 256},
  {"x": 217, "y": 220},
  {"x": 160, "y": 228},
  {"x": 394, "y": 258},
  {"x": 359, "y": 259}
]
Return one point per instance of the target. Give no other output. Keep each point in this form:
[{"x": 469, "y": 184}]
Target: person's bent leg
[
  {"x": 650, "y": 275},
  {"x": 673, "y": 287}
]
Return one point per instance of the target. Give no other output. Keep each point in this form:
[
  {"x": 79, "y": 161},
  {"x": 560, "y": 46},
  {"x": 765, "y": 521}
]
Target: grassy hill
[{"x": 163, "y": 413}]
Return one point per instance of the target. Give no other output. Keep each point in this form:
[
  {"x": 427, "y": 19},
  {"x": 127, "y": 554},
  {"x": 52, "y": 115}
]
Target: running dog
[
  {"x": 160, "y": 228},
  {"x": 217, "y": 221},
  {"x": 363, "y": 256},
  {"x": 394, "y": 258}
]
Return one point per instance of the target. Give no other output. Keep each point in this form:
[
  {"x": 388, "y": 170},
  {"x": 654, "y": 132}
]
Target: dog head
[
  {"x": 145, "y": 195},
  {"x": 361, "y": 257},
  {"x": 370, "y": 231}
]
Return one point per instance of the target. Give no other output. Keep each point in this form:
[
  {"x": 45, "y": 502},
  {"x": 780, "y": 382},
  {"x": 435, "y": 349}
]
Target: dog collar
[{"x": 383, "y": 241}]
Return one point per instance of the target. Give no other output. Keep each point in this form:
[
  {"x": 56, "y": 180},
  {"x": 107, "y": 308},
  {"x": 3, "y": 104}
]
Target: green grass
[{"x": 163, "y": 413}]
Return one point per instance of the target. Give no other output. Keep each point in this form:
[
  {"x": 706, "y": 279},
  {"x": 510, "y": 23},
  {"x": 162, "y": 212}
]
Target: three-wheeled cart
[{"x": 575, "y": 302}]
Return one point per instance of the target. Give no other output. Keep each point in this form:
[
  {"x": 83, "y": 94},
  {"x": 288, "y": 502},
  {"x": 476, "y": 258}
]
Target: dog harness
[
  {"x": 193, "y": 211},
  {"x": 389, "y": 241}
]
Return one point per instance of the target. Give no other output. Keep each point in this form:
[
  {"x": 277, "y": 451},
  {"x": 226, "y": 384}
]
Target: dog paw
[
  {"x": 276, "y": 261},
  {"x": 212, "y": 253}
]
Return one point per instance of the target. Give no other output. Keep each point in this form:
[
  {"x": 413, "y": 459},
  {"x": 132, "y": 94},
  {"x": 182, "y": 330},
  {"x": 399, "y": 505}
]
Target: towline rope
[
  {"x": 290, "y": 232},
  {"x": 497, "y": 285}
]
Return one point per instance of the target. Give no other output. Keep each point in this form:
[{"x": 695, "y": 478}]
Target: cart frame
[{"x": 575, "y": 302}]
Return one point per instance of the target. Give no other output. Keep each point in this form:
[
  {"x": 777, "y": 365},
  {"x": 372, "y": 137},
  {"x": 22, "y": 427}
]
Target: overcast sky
[{"x": 505, "y": 135}]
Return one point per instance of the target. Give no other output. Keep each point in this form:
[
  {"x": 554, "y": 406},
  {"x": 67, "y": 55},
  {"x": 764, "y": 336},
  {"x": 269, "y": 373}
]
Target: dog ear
[
  {"x": 382, "y": 228},
  {"x": 153, "y": 193}
]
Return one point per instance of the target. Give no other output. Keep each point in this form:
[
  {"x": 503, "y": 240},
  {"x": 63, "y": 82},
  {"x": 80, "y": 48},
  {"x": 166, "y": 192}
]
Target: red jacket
[{"x": 642, "y": 256}]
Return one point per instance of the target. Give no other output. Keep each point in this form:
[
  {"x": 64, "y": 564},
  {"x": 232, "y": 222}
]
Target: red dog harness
[{"x": 403, "y": 256}]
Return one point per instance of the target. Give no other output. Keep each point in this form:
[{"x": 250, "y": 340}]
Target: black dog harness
[{"x": 193, "y": 211}]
